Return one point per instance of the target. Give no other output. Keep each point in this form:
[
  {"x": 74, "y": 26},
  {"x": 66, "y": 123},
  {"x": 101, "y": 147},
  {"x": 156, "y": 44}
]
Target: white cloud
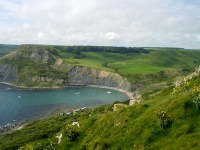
[
  {"x": 40, "y": 36},
  {"x": 95, "y": 22},
  {"x": 112, "y": 36},
  {"x": 26, "y": 26},
  {"x": 198, "y": 37}
]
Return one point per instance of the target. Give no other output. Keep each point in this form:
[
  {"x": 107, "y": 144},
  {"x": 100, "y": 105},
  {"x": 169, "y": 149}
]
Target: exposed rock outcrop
[
  {"x": 189, "y": 77},
  {"x": 43, "y": 80},
  {"x": 119, "y": 106},
  {"x": 83, "y": 76},
  {"x": 8, "y": 73}
]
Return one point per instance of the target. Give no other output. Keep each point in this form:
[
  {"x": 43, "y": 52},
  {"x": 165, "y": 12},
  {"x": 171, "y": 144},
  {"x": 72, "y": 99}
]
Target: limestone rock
[
  {"x": 83, "y": 76},
  {"x": 59, "y": 137},
  {"x": 76, "y": 124},
  {"x": 189, "y": 77},
  {"x": 8, "y": 73}
]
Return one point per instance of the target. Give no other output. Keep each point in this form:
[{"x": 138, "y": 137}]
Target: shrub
[
  {"x": 196, "y": 95},
  {"x": 188, "y": 105},
  {"x": 165, "y": 121},
  {"x": 71, "y": 133}
]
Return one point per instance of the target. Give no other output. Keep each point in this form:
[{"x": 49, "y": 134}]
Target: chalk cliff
[{"x": 80, "y": 75}]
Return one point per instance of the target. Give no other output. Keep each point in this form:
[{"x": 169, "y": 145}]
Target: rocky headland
[{"x": 31, "y": 66}]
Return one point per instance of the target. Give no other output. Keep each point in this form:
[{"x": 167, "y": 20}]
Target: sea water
[{"x": 19, "y": 104}]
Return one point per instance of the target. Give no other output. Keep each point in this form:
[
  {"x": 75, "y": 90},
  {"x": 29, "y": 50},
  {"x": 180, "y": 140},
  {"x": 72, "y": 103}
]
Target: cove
[{"x": 17, "y": 105}]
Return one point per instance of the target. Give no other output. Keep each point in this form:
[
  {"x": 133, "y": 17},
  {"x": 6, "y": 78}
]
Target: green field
[{"x": 133, "y": 63}]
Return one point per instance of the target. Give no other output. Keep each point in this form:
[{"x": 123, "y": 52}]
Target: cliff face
[
  {"x": 32, "y": 65},
  {"x": 79, "y": 75},
  {"x": 8, "y": 73}
]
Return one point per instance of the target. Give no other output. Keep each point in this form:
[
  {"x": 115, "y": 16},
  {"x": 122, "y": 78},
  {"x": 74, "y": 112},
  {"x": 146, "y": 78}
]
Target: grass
[
  {"x": 138, "y": 63},
  {"x": 158, "y": 61}
]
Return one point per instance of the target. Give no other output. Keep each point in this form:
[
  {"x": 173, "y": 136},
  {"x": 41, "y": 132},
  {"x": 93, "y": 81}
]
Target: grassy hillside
[
  {"x": 140, "y": 126},
  {"x": 133, "y": 63}
]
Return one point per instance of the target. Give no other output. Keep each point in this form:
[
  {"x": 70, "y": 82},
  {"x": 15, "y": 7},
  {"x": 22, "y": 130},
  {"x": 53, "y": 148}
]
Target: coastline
[
  {"x": 129, "y": 94},
  {"x": 31, "y": 88},
  {"x": 14, "y": 126}
]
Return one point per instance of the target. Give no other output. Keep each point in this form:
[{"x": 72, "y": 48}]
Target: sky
[{"x": 130, "y": 23}]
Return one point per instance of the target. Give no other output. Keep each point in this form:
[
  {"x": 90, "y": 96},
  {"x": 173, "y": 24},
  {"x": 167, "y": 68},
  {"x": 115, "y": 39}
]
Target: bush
[
  {"x": 71, "y": 133},
  {"x": 188, "y": 105},
  {"x": 165, "y": 121}
]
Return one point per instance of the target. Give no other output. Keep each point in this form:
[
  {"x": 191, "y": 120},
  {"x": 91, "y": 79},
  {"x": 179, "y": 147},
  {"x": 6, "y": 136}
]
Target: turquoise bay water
[{"x": 18, "y": 105}]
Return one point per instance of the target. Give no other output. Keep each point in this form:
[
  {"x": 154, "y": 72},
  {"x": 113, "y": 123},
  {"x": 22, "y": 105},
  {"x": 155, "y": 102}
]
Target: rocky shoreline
[
  {"x": 129, "y": 94},
  {"x": 14, "y": 126}
]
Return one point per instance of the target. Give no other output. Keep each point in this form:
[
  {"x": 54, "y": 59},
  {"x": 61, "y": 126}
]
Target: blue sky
[{"x": 167, "y": 23}]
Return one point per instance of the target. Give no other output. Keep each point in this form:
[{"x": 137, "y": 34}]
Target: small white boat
[
  {"x": 19, "y": 96},
  {"x": 8, "y": 88},
  {"x": 77, "y": 93},
  {"x": 109, "y": 92}
]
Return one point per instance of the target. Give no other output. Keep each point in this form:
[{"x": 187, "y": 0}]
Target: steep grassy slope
[{"x": 134, "y": 127}]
